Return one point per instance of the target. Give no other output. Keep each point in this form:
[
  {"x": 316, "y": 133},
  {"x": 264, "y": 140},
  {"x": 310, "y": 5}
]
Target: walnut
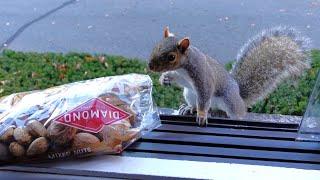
[
  {"x": 7, "y": 135},
  {"x": 83, "y": 140},
  {"x": 22, "y": 136},
  {"x": 61, "y": 134},
  {"x": 38, "y": 146},
  {"x": 16, "y": 149},
  {"x": 4, "y": 152},
  {"x": 36, "y": 129}
]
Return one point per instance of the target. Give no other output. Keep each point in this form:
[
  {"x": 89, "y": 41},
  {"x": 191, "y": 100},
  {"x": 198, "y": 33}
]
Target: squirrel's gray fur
[{"x": 262, "y": 63}]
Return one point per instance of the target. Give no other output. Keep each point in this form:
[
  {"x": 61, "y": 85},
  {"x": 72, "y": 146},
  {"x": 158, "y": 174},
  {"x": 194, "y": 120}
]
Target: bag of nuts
[{"x": 102, "y": 115}]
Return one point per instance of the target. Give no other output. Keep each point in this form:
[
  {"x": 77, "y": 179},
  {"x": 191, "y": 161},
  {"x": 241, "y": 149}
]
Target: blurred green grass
[{"x": 25, "y": 71}]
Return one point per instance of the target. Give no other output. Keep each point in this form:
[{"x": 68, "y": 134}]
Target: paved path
[{"x": 131, "y": 27}]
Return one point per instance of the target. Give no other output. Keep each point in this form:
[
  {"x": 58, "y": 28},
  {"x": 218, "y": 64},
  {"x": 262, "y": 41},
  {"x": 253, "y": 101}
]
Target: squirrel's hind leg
[
  {"x": 218, "y": 108},
  {"x": 233, "y": 105},
  {"x": 217, "y": 113}
]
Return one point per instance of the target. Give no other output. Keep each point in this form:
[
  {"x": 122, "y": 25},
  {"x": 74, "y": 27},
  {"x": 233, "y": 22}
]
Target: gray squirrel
[{"x": 261, "y": 65}]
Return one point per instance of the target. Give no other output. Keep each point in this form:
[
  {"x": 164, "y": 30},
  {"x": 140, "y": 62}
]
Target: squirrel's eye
[{"x": 171, "y": 57}]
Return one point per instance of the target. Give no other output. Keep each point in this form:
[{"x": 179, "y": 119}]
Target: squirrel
[{"x": 265, "y": 61}]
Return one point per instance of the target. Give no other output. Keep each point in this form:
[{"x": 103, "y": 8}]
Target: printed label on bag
[{"x": 92, "y": 115}]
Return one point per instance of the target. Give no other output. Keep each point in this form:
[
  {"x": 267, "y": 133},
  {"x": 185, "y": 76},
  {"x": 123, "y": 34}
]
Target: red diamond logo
[{"x": 92, "y": 115}]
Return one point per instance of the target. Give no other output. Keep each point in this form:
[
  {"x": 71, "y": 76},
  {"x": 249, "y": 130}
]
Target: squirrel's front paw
[
  {"x": 184, "y": 109},
  {"x": 165, "y": 79},
  {"x": 202, "y": 119}
]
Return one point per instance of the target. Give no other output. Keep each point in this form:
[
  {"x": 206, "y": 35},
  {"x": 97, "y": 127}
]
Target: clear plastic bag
[{"x": 102, "y": 115}]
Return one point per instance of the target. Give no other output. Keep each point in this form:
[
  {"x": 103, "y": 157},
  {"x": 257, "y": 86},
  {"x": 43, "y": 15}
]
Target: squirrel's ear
[
  {"x": 183, "y": 44},
  {"x": 166, "y": 32}
]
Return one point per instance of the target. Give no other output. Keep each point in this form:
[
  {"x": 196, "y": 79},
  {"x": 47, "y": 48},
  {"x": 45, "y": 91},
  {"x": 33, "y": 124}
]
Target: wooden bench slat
[
  {"x": 219, "y": 125},
  {"x": 227, "y": 121},
  {"x": 220, "y": 159},
  {"x": 227, "y": 132},
  {"x": 248, "y": 143},
  {"x": 226, "y": 152}
]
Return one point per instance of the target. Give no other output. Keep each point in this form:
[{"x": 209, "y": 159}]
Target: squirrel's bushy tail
[{"x": 269, "y": 58}]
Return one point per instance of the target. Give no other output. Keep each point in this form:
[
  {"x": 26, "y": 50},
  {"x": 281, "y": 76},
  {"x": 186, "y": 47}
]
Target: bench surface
[{"x": 231, "y": 141}]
